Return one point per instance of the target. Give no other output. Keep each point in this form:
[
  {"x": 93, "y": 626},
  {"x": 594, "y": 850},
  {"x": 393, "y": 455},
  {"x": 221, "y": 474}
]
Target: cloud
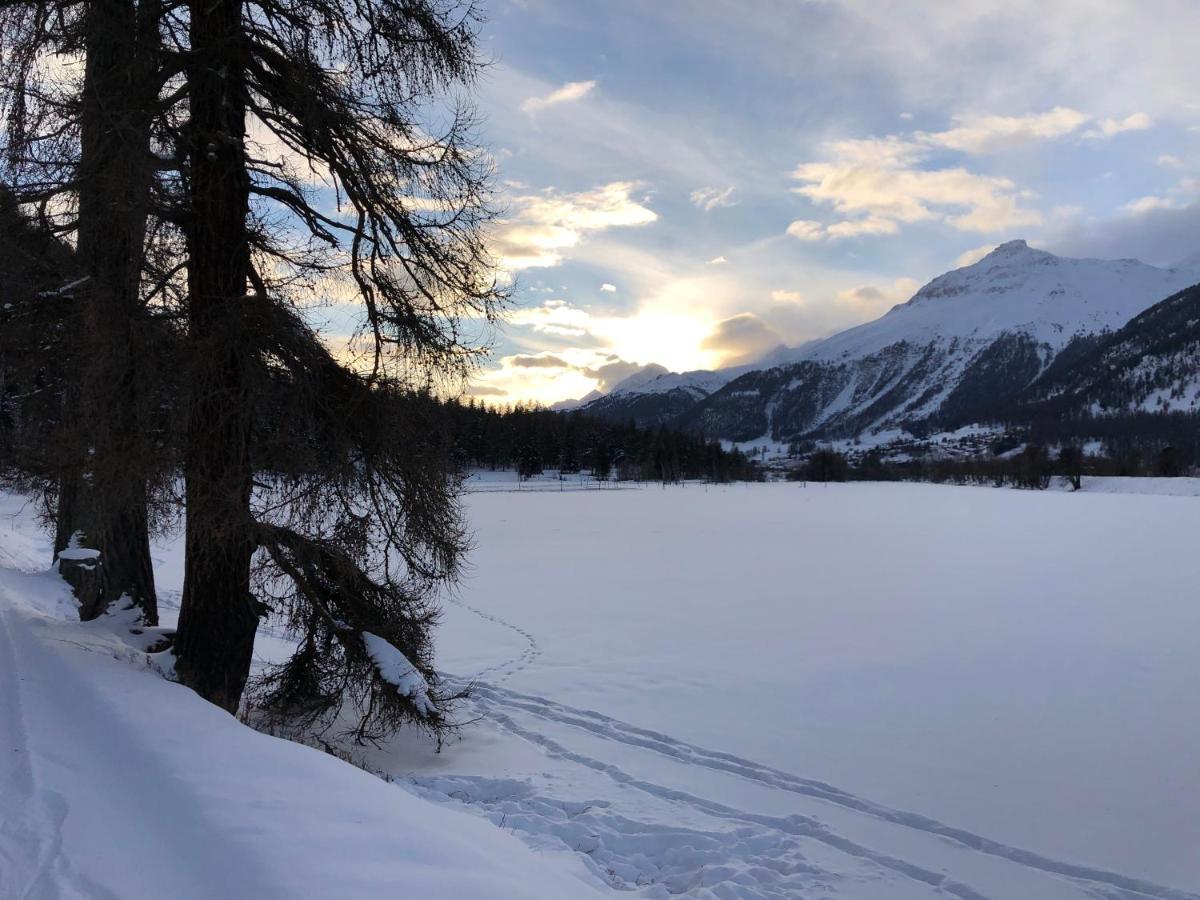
[
  {"x": 810, "y": 231},
  {"x": 554, "y": 317},
  {"x": 970, "y": 257},
  {"x": 710, "y": 198},
  {"x": 1145, "y": 204},
  {"x": 741, "y": 339},
  {"x": 485, "y": 390},
  {"x": 549, "y": 377},
  {"x": 793, "y": 297},
  {"x": 1106, "y": 128},
  {"x": 568, "y": 93},
  {"x": 608, "y": 288},
  {"x": 612, "y": 372},
  {"x": 545, "y": 226},
  {"x": 717, "y": 261},
  {"x": 540, "y": 361},
  {"x": 991, "y": 133},
  {"x": 1176, "y": 197},
  {"x": 880, "y": 184},
  {"x": 806, "y": 230},
  {"x": 871, "y": 301},
  {"x": 1154, "y": 233},
  {"x": 1167, "y": 161},
  {"x": 884, "y": 182},
  {"x": 857, "y": 227}
]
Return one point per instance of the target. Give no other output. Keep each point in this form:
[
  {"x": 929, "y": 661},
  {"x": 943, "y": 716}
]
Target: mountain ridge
[{"x": 969, "y": 339}]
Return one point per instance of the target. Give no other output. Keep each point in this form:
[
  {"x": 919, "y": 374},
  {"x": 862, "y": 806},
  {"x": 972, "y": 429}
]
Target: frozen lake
[{"x": 1021, "y": 665}]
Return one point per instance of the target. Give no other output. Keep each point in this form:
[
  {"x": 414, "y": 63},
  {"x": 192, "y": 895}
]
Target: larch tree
[
  {"x": 274, "y": 151},
  {"x": 326, "y": 149},
  {"x": 78, "y": 154}
]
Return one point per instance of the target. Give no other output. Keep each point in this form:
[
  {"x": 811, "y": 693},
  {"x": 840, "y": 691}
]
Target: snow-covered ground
[
  {"x": 118, "y": 785},
  {"x": 854, "y": 660},
  {"x": 860, "y": 691}
]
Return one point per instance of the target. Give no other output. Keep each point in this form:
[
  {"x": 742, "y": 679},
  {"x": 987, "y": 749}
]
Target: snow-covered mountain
[
  {"x": 654, "y": 395},
  {"x": 1152, "y": 364},
  {"x": 964, "y": 341}
]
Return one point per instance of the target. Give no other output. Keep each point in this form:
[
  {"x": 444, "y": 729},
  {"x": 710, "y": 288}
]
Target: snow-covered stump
[{"x": 83, "y": 570}]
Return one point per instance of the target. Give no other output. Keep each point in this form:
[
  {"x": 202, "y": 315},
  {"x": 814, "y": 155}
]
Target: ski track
[{"x": 780, "y": 869}]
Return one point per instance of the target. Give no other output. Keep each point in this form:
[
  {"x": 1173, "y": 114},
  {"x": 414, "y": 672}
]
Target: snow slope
[{"x": 118, "y": 785}]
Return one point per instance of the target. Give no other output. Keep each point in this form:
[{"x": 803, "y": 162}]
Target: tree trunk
[
  {"x": 115, "y": 180},
  {"x": 218, "y": 618}
]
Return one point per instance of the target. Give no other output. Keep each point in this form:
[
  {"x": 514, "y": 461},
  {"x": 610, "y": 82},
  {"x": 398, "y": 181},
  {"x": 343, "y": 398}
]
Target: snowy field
[
  {"x": 1020, "y": 666},
  {"x": 858, "y": 691}
]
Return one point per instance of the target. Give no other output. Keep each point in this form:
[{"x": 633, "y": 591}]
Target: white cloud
[
  {"x": 857, "y": 227},
  {"x": 794, "y": 297},
  {"x": 879, "y": 182},
  {"x": 608, "y": 288},
  {"x": 882, "y": 183},
  {"x": 1167, "y": 161},
  {"x": 553, "y": 317},
  {"x": 546, "y": 225},
  {"x": 806, "y": 230},
  {"x": 568, "y": 93},
  {"x": 970, "y": 257},
  {"x": 710, "y": 198},
  {"x": 1179, "y": 195},
  {"x": 717, "y": 261},
  {"x": 989, "y": 133},
  {"x": 1145, "y": 204},
  {"x": 1106, "y": 128}
]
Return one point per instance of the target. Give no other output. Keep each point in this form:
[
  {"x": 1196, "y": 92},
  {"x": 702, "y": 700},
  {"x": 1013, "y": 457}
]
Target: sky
[{"x": 694, "y": 182}]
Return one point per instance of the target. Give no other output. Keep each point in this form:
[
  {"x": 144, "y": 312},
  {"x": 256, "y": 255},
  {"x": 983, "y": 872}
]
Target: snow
[
  {"x": 749, "y": 691},
  {"x": 856, "y": 690},
  {"x": 395, "y": 668},
  {"x": 1015, "y": 288},
  {"x": 118, "y": 785},
  {"x": 1161, "y": 487},
  {"x": 78, "y": 554}
]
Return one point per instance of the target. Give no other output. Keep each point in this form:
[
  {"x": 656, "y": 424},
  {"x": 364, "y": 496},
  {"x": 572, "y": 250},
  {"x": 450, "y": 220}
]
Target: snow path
[{"x": 755, "y": 855}]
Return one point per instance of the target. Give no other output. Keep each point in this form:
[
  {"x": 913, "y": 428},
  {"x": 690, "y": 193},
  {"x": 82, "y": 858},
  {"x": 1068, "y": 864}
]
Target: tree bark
[
  {"x": 115, "y": 181},
  {"x": 219, "y": 617}
]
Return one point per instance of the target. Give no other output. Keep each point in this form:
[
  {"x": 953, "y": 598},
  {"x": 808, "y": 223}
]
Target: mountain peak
[
  {"x": 1013, "y": 250},
  {"x": 1012, "y": 246}
]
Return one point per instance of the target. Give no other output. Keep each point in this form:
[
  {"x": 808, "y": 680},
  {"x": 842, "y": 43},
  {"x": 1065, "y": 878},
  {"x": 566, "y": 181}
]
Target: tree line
[
  {"x": 530, "y": 439},
  {"x": 1023, "y": 465}
]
